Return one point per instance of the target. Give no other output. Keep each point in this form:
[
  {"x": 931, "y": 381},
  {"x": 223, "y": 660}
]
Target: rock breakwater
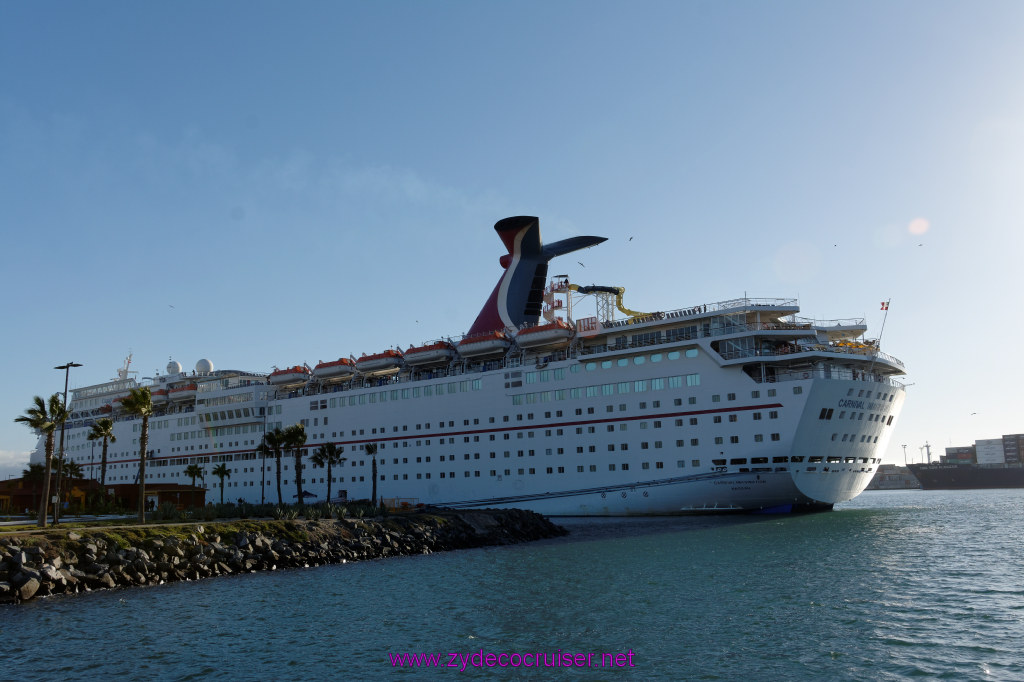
[{"x": 62, "y": 562}]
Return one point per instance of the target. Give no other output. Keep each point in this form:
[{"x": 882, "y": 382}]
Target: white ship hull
[{"x": 428, "y": 461}]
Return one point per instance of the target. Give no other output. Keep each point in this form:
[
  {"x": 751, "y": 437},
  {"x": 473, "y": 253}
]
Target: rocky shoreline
[{"x": 62, "y": 562}]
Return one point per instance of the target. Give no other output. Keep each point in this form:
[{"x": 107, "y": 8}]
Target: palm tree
[
  {"x": 68, "y": 472},
  {"x": 194, "y": 471},
  {"x": 140, "y": 403},
  {"x": 272, "y": 446},
  {"x": 221, "y": 471},
  {"x": 295, "y": 439},
  {"x": 45, "y": 417},
  {"x": 103, "y": 430},
  {"x": 371, "y": 449},
  {"x": 327, "y": 454},
  {"x": 34, "y": 475}
]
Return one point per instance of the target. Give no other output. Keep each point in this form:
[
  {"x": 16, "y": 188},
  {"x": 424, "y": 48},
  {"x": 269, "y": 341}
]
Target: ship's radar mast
[{"x": 124, "y": 372}]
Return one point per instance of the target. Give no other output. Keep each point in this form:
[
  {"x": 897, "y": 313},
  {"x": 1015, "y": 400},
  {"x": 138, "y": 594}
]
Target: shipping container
[{"x": 990, "y": 451}]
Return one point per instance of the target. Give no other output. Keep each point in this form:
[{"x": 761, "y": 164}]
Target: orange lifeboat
[
  {"x": 341, "y": 368},
  {"x": 430, "y": 354},
  {"x": 379, "y": 362},
  {"x": 554, "y": 334},
  {"x": 482, "y": 345},
  {"x": 290, "y": 376},
  {"x": 159, "y": 396},
  {"x": 186, "y": 392}
]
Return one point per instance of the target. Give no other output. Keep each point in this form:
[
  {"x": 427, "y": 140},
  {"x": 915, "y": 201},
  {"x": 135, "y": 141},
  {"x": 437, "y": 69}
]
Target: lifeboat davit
[
  {"x": 290, "y": 376},
  {"x": 186, "y": 392},
  {"x": 431, "y": 354},
  {"x": 159, "y": 396},
  {"x": 379, "y": 362},
  {"x": 341, "y": 368},
  {"x": 554, "y": 334},
  {"x": 483, "y": 345}
]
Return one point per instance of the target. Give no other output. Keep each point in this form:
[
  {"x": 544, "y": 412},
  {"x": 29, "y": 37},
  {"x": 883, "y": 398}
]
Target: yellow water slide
[{"x": 618, "y": 291}]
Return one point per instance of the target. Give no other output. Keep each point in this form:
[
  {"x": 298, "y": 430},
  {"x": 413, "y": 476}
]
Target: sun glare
[{"x": 918, "y": 226}]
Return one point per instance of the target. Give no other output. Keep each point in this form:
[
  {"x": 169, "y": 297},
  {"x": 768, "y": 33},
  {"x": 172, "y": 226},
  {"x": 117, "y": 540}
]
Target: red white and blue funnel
[{"x": 518, "y": 297}]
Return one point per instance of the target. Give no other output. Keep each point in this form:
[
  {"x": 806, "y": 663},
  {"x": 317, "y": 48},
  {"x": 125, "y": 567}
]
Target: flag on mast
[{"x": 885, "y": 305}]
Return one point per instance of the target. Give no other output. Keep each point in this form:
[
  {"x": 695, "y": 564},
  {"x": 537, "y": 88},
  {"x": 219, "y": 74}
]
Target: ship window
[
  {"x": 606, "y": 364},
  {"x": 716, "y": 398},
  {"x": 622, "y": 362},
  {"x": 691, "y": 353},
  {"x": 718, "y": 419},
  {"x": 611, "y": 467},
  {"x": 797, "y": 390},
  {"x": 718, "y": 440},
  {"x": 758, "y": 437},
  {"x": 755, "y": 394},
  {"x": 776, "y": 436},
  {"x": 655, "y": 357},
  {"x": 771, "y": 392},
  {"x": 694, "y": 442}
]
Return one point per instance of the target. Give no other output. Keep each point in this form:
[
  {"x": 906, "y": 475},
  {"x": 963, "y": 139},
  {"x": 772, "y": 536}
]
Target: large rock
[{"x": 28, "y": 589}]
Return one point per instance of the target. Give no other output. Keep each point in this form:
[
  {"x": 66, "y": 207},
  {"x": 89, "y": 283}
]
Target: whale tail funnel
[{"x": 518, "y": 296}]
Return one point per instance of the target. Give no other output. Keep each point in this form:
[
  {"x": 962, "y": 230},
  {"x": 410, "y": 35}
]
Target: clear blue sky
[{"x": 261, "y": 183}]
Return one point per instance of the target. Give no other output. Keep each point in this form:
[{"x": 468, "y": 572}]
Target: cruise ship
[{"x": 559, "y": 399}]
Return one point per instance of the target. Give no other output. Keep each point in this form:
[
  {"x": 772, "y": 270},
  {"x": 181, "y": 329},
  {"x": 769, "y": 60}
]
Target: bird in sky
[{"x": 581, "y": 264}]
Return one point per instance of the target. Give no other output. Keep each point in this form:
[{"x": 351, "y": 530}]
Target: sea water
[{"x": 893, "y": 585}]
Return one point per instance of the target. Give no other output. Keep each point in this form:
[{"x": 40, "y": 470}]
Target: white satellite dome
[
  {"x": 173, "y": 367},
  {"x": 204, "y": 366}
]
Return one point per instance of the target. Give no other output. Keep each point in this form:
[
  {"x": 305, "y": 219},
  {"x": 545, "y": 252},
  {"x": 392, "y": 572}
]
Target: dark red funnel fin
[{"x": 517, "y": 299}]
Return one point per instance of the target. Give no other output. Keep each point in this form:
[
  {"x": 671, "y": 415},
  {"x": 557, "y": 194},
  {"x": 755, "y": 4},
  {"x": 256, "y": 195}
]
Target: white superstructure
[{"x": 733, "y": 405}]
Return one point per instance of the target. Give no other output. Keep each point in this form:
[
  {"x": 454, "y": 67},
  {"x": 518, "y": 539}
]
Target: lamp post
[
  {"x": 60, "y": 458},
  {"x": 904, "y": 446}
]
